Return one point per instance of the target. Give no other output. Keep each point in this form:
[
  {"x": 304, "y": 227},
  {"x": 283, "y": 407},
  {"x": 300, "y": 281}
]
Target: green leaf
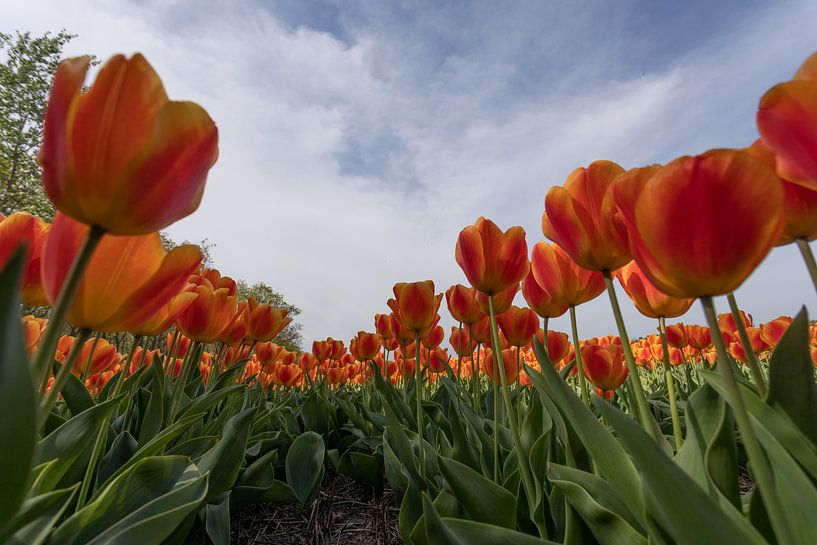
[
  {"x": 224, "y": 460},
  {"x": 469, "y": 532},
  {"x": 37, "y": 517},
  {"x": 18, "y": 406},
  {"x": 685, "y": 511},
  {"x": 483, "y": 499},
  {"x": 315, "y": 413},
  {"x": 603, "y": 510},
  {"x": 154, "y": 413},
  {"x": 791, "y": 377},
  {"x": 75, "y": 394},
  {"x": 304, "y": 465},
  {"x": 217, "y": 520},
  {"x": 122, "y": 449},
  {"x": 363, "y": 468},
  {"x": 435, "y": 532},
  {"x": 140, "y": 507}
]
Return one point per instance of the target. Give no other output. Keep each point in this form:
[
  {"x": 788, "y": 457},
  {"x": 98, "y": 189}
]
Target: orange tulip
[
  {"x": 307, "y": 361},
  {"x": 508, "y": 362},
  {"x": 462, "y": 304},
  {"x": 700, "y": 225},
  {"x": 481, "y": 331},
  {"x": 384, "y": 326},
  {"x": 565, "y": 282},
  {"x": 237, "y": 330},
  {"x": 604, "y": 365},
  {"x": 23, "y": 228},
  {"x": 519, "y": 325},
  {"x": 33, "y": 329},
  {"x": 288, "y": 375},
  {"x": 165, "y": 316},
  {"x": 582, "y": 218},
  {"x": 677, "y": 335},
  {"x": 699, "y": 337},
  {"x": 215, "y": 280},
  {"x": 727, "y": 324},
  {"x": 128, "y": 279},
  {"x": 338, "y": 349},
  {"x": 143, "y": 358},
  {"x": 502, "y": 300},
  {"x": 209, "y": 315},
  {"x": 558, "y": 344},
  {"x": 121, "y": 155},
  {"x": 540, "y": 300},
  {"x": 268, "y": 353},
  {"x": 321, "y": 350},
  {"x": 462, "y": 345},
  {"x": 265, "y": 321},
  {"x": 416, "y": 306},
  {"x": 492, "y": 260},
  {"x": 435, "y": 338},
  {"x": 365, "y": 346},
  {"x": 787, "y": 121},
  {"x": 773, "y": 331},
  {"x": 649, "y": 300},
  {"x": 437, "y": 360},
  {"x": 102, "y": 357}
]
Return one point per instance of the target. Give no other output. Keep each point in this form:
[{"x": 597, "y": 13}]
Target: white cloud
[{"x": 439, "y": 140}]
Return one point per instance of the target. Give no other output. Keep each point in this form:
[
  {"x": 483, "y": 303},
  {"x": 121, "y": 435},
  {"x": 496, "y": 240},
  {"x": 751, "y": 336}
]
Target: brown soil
[{"x": 340, "y": 514}]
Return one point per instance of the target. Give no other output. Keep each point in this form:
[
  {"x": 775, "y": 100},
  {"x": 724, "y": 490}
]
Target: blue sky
[{"x": 359, "y": 137}]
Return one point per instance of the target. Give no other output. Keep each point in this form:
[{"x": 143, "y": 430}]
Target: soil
[{"x": 340, "y": 514}]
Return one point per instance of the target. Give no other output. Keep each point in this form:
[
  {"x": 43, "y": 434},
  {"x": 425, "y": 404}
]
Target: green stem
[
  {"x": 459, "y": 354},
  {"x": 522, "y": 456},
  {"x": 495, "y": 392},
  {"x": 633, "y": 378},
  {"x": 87, "y": 369},
  {"x": 418, "y": 394},
  {"x": 475, "y": 375},
  {"x": 751, "y": 357},
  {"x": 45, "y": 354},
  {"x": 578, "y": 355},
  {"x": 178, "y": 389},
  {"x": 670, "y": 383},
  {"x": 759, "y": 464},
  {"x": 808, "y": 257},
  {"x": 61, "y": 378}
]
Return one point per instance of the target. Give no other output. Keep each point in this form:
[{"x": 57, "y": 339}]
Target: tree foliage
[
  {"x": 27, "y": 65},
  {"x": 290, "y": 338}
]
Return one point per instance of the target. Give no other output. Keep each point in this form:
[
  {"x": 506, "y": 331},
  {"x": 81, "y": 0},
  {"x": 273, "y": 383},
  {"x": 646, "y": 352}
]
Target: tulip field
[{"x": 500, "y": 430}]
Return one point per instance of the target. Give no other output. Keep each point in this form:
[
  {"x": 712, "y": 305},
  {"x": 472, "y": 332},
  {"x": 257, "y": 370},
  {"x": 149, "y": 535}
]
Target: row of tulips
[{"x": 200, "y": 413}]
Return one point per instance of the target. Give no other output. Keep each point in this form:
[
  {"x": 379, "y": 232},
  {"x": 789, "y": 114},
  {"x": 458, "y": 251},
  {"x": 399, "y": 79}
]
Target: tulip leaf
[
  {"x": 140, "y": 507},
  {"x": 672, "y": 497},
  {"x": 154, "y": 413},
  {"x": 223, "y": 461},
  {"x": 304, "y": 465},
  {"x": 435, "y": 532},
  {"x": 75, "y": 394},
  {"x": 363, "y": 468},
  {"x": 607, "y": 453},
  {"x": 17, "y": 402},
  {"x": 315, "y": 413},
  {"x": 603, "y": 510},
  {"x": 37, "y": 517},
  {"x": 217, "y": 520},
  {"x": 122, "y": 449},
  {"x": 469, "y": 532},
  {"x": 483, "y": 499},
  {"x": 206, "y": 401},
  {"x": 791, "y": 377}
]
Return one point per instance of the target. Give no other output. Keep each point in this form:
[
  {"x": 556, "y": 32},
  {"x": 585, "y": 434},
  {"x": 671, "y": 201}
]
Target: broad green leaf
[
  {"x": 315, "y": 413},
  {"x": 122, "y": 449},
  {"x": 205, "y": 402},
  {"x": 18, "y": 406},
  {"x": 223, "y": 461},
  {"x": 672, "y": 497},
  {"x": 363, "y": 468},
  {"x": 154, "y": 413},
  {"x": 791, "y": 377},
  {"x": 304, "y": 465},
  {"x": 140, "y": 507},
  {"x": 37, "y": 517},
  {"x": 603, "y": 510},
  {"x": 74, "y": 393},
  {"x": 217, "y": 520},
  {"x": 469, "y": 532},
  {"x": 483, "y": 500}
]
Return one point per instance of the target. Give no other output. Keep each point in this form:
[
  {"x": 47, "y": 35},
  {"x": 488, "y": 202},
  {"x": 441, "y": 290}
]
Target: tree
[
  {"x": 290, "y": 338},
  {"x": 27, "y": 66}
]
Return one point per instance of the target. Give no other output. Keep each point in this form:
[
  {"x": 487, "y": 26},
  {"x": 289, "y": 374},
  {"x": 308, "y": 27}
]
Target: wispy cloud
[{"x": 358, "y": 138}]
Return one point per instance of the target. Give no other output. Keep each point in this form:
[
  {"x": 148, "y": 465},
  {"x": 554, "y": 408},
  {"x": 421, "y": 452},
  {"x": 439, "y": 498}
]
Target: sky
[{"x": 357, "y": 138}]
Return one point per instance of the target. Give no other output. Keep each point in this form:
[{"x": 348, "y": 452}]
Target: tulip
[
  {"x": 677, "y": 335},
  {"x": 509, "y": 363},
  {"x": 771, "y": 332},
  {"x": 321, "y": 350},
  {"x": 462, "y": 304},
  {"x": 519, "y": 325},
  {"x": 235, "y": 333},
  {"x": 97, "y": 355},
  {"x": 23, "y": 228},
  {"x": 787, "y": 121},
  {"x": 437, "y": 360},
  {"x": 268, "y": 353},
  {"x": 502, "y": 300},
  {"x": 460, "y": 342},
  {"x": 307, "y": 361},
  {"x": 165, "y": 317},
  {"x": 338, "y": 349},
  {"x": 540, "y": 300},
  {"x": 582, "y": 218},
  {"x": 416, "y": 306},
  {"x": 265, "y": 321},
  {"x": 120, "y": 155},
  {"x": 492, "y": 260},
  {"x": 560, "y": 277},
  {"x": 698, "y": 336},
  {"x": 648, "y": 299},
  {"x": 711, "y": 248},
  {"x": 216, "y": 280},
  {"x": 288, "y": 375},
  {"x": 367, "y": 345},
  {"x": 209, "y": 315},
  {"x": 127, "y": 281},
  {"x": 33, "y": 329},
  {"x": 434, "y": 338},
  {"x": 558, "y": 344},
  {"x": 384, "y": 326},
  {"x": 604, "y": 366}
]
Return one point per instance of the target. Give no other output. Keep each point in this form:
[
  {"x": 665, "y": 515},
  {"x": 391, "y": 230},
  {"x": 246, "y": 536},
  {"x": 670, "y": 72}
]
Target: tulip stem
[
  {"x": 87, "y": 369},
  {"x": 633, "y": 378},
  {"x": 45, "y": 354},
  {"x": 578, "y": 356},
  {"x": 418, "y": 395},
  {"x": 751, "y": 357},
  {"x": 545, "y": 321},
  {"x": 670, "y": 383},
  {"x": 522, "y": 456},
  {"x": 61, "y": 378},
  {"x": 757, "y": 459},
  {"x": 808, "y": 257},
  {"x": 475, "y": 375}
]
